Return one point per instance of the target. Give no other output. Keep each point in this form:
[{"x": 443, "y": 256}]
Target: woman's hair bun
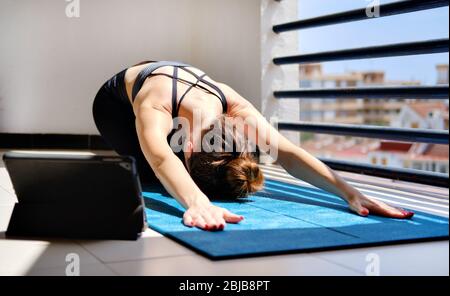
[{"x": 244, "y": 176}]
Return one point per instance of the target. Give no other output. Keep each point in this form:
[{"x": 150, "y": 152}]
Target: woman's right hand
[{"x": 207, "y": 216}]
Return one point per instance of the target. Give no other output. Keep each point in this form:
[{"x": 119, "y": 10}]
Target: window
[
  {"x": 374, "y": 160},
  {"x": 417, "y": 166},
  {"x": 322, "y": 41},
  {"x": 433, "y": 167},
  {"x": 443, "y": 168}
]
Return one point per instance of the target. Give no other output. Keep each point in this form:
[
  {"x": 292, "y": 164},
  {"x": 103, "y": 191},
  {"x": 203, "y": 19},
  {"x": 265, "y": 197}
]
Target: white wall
[
  {"x": 275, "y": 77},
  {"x": 51, "y": 66}
]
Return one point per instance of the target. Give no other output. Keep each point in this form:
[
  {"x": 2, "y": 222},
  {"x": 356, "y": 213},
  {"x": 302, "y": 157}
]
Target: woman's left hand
[{"x": 364, "y": 206}]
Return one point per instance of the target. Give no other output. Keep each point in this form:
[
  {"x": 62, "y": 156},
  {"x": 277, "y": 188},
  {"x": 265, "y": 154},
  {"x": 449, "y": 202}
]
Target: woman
[{"x": 135, "y": 111}]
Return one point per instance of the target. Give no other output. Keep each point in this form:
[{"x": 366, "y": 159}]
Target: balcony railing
[
  {"x": 369, "y": 131},
  {"x": 390, "y": 9},
  {"x": 390, "y": 50},
  {"x": 404, "y": 92}
]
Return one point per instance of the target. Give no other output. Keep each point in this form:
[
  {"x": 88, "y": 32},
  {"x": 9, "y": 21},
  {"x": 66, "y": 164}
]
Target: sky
[{"x": 417, "y": 26}]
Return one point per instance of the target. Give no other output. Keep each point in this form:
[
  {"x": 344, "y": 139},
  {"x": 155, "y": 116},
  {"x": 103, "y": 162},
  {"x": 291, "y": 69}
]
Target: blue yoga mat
[{"x": 285, "y": 218}]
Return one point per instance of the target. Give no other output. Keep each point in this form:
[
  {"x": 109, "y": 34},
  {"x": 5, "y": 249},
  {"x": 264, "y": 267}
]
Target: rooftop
[{"x": 424, "y": 109}]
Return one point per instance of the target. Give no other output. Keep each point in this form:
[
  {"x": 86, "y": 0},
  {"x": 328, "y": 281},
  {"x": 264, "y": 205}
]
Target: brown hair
[{"x": 225, "y": 175}]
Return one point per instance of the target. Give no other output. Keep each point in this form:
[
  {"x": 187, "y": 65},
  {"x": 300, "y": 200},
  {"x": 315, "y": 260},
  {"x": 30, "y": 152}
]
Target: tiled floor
[{"x": 154, "y": 254}]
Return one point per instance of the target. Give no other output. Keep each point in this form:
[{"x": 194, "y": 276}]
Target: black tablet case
[{"x": 84, "y": 197}]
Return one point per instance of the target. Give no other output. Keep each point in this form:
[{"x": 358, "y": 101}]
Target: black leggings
[{"x": 115, "y": 120}]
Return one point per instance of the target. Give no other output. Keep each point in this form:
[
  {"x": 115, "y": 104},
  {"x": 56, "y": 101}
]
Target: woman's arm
[
  {"x": 301, "y": 164},
  {"x": 153, "y": 124},
  {"x": 152, "y": 127}
]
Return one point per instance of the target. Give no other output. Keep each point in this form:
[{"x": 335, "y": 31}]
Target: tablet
[{"x": 75, "y": 196}]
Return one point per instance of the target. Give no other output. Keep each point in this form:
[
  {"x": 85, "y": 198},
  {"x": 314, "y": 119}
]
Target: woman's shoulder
[{"x": 234, "y": 99}]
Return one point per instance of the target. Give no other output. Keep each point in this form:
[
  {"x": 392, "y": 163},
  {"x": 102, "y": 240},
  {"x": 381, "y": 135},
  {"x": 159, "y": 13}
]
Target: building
[
  {"x": 349, "y": 111},
  {"x": 442, "y": 72},
  {"x": 419, "y": 156},
  {"x": 423, "y": 114},
  {"x": 342, "y": 148}
]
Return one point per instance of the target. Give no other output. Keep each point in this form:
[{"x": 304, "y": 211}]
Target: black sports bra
[{"x": 148, "y": 72}]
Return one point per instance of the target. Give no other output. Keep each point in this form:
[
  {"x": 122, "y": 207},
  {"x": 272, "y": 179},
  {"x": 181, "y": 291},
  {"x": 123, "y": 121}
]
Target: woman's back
[{"x": 198, "y": 95}]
